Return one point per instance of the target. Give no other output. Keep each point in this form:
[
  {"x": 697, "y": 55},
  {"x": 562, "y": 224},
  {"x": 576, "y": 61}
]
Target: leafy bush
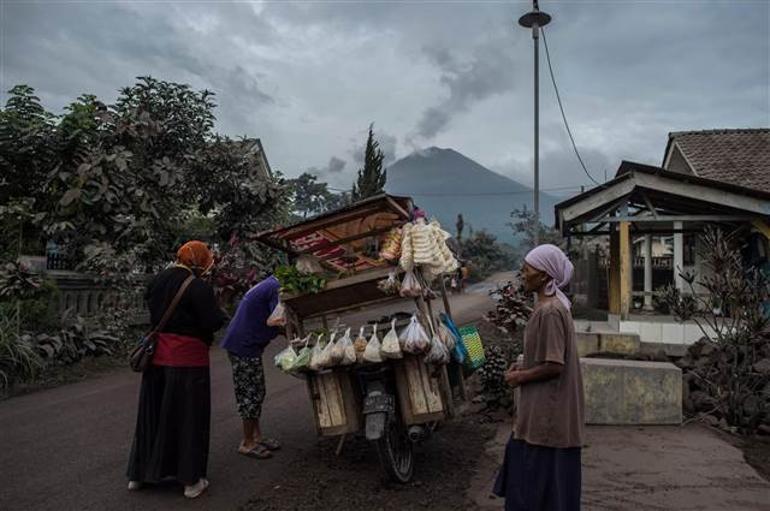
[
  {"x": 513, "y": 308},
  {"x": 486, "y": 256},
  {"x": 19, "y": 361},
  {"x": 294, "y": 281}
]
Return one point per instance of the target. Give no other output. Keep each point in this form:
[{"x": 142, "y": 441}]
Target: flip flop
[
  {"x": 270, "y": 443},
  {"x": 196, "y": 490},
  {"x": 259, "y": 452}
]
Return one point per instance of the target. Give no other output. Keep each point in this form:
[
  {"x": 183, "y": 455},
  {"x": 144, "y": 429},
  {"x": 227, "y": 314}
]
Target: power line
[
  {"x": 561, "y": 107},
  {"x": 478, "y": 194}
]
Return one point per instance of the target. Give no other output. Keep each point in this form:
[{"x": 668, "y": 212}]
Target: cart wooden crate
[{"x": 336, "y": 402}]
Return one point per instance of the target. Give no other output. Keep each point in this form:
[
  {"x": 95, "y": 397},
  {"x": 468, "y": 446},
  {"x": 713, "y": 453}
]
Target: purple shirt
[{"x": 248, "y": 333}]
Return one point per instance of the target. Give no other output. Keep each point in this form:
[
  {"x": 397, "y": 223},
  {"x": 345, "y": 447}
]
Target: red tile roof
[{"x": 736, "y": 156}]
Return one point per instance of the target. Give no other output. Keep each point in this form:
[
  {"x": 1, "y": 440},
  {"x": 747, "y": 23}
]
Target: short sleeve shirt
[
  {"x": 551, "y": 413},
  {"x": 248, "y": 333}
]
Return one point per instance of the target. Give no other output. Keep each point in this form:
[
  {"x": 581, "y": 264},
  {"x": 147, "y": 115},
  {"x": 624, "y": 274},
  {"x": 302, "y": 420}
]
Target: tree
[
  {"x": 309, "y": 196},
  {"x": 526, "y": 227},
  {"x": 460, "y": 225},
  {"x": 486, "y": 255},
  {"x": 372, "y": 177}
]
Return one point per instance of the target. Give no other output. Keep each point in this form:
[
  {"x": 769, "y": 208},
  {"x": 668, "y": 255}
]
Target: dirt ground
[{"x": 445, "y": 464}]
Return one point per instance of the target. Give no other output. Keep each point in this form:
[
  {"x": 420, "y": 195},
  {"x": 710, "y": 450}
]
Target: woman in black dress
[{"x": 172, "y": 427}]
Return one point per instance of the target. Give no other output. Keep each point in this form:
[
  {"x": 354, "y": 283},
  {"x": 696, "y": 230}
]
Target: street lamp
[{"x": 534, "y": 20}]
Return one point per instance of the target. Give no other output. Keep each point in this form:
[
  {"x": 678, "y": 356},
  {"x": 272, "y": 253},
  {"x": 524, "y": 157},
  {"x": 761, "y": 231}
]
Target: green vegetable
[{"x": 295, "y": 282}]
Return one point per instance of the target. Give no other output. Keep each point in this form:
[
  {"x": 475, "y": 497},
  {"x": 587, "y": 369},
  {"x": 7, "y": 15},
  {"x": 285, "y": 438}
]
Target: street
[{"x": 67, "y": 448}]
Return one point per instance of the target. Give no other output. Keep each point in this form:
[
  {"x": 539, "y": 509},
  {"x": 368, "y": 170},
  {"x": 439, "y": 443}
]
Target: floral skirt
[{"x": 249, "y": 385}]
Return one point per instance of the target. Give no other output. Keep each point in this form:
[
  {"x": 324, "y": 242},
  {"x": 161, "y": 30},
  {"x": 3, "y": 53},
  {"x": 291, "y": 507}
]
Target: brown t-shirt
[{"x": 550, "y": 413}]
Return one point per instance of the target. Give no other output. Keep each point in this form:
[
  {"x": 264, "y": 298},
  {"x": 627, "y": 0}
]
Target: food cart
[{"x": 395, "y": 403}]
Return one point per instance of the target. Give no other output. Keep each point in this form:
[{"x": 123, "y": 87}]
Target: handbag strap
[{"x": 172, "y": 306}]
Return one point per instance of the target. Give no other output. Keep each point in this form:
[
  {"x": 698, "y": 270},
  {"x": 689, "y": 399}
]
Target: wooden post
[
  {"x": 625, "y": 268},
  {"x": 613, "y": 277},
  {"x": 445, "y": 299}
]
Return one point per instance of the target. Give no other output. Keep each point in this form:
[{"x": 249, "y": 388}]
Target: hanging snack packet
[
  {"x": 446, "y": 336},
  {"x": 390, "y": 344},
  {"x": 329, "y": 352},
  {"x": 410, "y": 286},
  {"x": 360, "y": 345},
  {"x": 348, "y": 351},
  {"x": 415, "y": 338},
  {"x": 372, "y": 351},
  {"x": 285, "y": 358},
  {"x": 389, "y": 286},
  {"x": 303, "y": 357},
  {"x": 317, "y": 355},
  {"x": 438, "y": 353}
]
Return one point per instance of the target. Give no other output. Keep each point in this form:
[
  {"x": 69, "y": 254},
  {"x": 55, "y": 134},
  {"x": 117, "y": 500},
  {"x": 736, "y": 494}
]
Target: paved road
[{"x": 67, "y": 448}]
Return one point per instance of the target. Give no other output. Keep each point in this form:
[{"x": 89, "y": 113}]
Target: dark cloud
[
  {"x": 388, "y": 146},
  {"x": 335, "y": 165}
]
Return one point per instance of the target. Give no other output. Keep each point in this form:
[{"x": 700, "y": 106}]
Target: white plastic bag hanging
[
  {"x": 348, "y": 351},
  {"x": 330, "y": 352},
  {"x": 317, "y": 355},
  {"x": 391, "y": 285},
  {"x": 285, "y": 358},
  {"x": 373, "y": 347},
  {"x": 278, "y": 316},
  {"x": 360, "y": 345},
  {"x": 415, "y": 339},
  {"x": 438, "y": 353},
  {"x": 410, "y": 286},
  {"x": 390, "y": 344}
]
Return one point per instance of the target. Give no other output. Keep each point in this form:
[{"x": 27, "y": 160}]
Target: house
[{"x": 712, "y": 177}]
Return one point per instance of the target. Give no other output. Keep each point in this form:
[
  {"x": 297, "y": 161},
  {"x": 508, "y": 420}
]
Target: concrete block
[
  {"x": 670, "y": 349},
  {"x": 587, "y": 343},
  {"x": 618, "y": 343},
  {"x": 673, "y": 333},
  {"x": 629, "y": 392},
  {"x": 629, "y": 327},
  {"x": 651, "y": 332}
]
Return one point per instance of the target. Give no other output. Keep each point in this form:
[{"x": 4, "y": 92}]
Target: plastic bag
[
  {"x": 390, "y": 344},
  {"x": 330, "y": 352},
  {"x": 373, "y": 347},
  {"x": 317, "y": 355},
  {"x": 410, "y": 286},
  {"x": 285, "y": 358},
  {"x": 438, "y": 353},
  {"x": 389, "y": 286},
  {"x": 278, "y": 316},
  {"x": 348, "y": 351},
  {"x": 360, "y": 345},
  {"x": 459, "y": 353},
  {"x": 447, "y": 337},
  {"x": 303, "y": 357},
  {"x": 414, "y": 337}
]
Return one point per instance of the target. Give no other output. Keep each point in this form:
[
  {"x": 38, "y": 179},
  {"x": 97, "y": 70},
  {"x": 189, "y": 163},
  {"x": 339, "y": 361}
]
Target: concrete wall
[{"x": 630, "y": 392}]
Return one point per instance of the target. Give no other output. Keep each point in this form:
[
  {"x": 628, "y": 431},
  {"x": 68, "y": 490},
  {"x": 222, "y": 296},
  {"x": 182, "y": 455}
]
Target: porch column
[
  {"x": 613, "y": 275},
  {"x": 626, "y": 268},
  {"x": 678, "y": 256},
  {"x": 648, "y": 272}
]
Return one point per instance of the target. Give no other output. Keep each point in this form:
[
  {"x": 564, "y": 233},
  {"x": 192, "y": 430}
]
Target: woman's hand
[{"x": 513, "y": 376}]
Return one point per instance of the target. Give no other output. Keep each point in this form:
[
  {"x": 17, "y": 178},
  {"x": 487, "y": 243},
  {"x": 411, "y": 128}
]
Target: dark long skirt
[
  {"x": 536, "y": 478},
  {"x": 172, "y": 425}
]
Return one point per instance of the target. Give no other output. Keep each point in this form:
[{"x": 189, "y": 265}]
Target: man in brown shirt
[{"x": 542, "y": 468}]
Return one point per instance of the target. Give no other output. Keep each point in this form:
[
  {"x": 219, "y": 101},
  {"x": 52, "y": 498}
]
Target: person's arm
[
  {"x": 549, "y": 354},
  {"x": 209, "y": 315}
]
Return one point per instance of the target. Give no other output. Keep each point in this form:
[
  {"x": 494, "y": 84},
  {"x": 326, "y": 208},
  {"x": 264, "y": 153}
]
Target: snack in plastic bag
[
  {"x": 303, "y": 357},
  {"x": 391, "y": 249},
  {"x": 438, "y": 353},
  {"x": 360, "y": 345},
  {"x": 390, "y": 344},
  {"x": 410, "y": 286},
  {"x": 446, "y": 336},
  {"x": 373, "y": 347},
  {"x": 285, "y": 358},
  {"x": 391, "y": 285},
  {"x": 415, "y": 339},
  {"x": 278, "y": 316},
  {"x": 333, "y": 356},
  {"x": 348, "y": 351},
  {"x": 317, "y": 355}
]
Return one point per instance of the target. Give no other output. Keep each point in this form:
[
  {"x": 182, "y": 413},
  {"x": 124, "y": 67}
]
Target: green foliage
[
  {"x": 19, "y": 361},
  {"x": 526, "y": 228},
  {"x": 513, "y": 308},
  {"x": 372, "y": 177},
  {"x": 293, "y": 281},
  {"x": 485, "y": 255},
  {"x": 310, "y": 197}
]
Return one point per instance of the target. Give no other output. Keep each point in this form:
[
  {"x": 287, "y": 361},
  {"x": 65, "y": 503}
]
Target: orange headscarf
[{"x": 196, "y": 256}]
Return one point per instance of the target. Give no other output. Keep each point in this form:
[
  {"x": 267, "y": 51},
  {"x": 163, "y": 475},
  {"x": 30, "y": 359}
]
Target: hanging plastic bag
[
  {"x": 285, "y": 358},
  {"x": 317, "y": 355},
  {"x": 278, "y": 316},
  {"x": 373, "y": 347},
  {"x": 391, "y": 285},
  {"x": 329, "y": 352},
  {"x": 360, "y": 345},
  {"x": 415, "y": 339},
  {"x": 438, "y": 353},
  {"x": 410, "y": 286},
  {"x": 390, "y": 344},
  {"x": 303, "y": 357},
  {"x": 459, "y": 353},
  {"x": 447, "y": 337},
  {"x": 345, "y": 345}
]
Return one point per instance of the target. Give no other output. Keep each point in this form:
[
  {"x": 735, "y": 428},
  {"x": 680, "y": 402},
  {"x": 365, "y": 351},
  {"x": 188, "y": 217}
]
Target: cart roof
[{"x": 338, "y": 238}]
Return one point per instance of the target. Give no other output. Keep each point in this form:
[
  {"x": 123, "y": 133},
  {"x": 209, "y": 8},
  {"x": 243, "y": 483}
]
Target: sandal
[
  {"x": 193, "y": 491},
  {"x": 270, "y": 443},
  {"x": 259, "y": 452}
]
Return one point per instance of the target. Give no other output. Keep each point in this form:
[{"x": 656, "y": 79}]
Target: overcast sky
[{"x": 308, "y": 77}]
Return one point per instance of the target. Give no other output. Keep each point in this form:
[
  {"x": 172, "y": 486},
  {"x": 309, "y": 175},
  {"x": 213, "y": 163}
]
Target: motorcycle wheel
[{"x": 396, "y": 454}]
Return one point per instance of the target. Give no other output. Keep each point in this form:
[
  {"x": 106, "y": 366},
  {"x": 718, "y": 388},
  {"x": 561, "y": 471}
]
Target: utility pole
[{"x": 534, "y": 20}]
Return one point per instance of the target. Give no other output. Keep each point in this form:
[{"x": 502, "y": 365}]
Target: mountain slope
[{"x": 445, "y": 183}]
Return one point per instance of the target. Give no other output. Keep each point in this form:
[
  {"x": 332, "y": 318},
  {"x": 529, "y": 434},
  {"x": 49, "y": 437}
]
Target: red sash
[{"x": 176, "y": 350}]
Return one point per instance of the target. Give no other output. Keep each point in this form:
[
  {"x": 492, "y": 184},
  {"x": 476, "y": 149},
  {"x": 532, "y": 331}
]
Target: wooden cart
[{"x": 347, "y": 400}]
